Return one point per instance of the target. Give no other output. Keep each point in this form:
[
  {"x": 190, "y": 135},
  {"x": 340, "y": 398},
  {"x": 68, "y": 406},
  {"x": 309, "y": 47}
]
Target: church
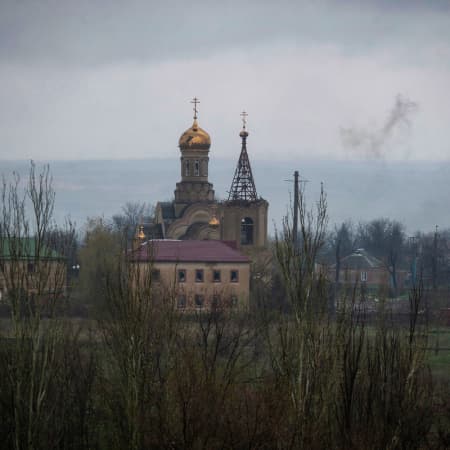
[{"x": 194, "y": 214}]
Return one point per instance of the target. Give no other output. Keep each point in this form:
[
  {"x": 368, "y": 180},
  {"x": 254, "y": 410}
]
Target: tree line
[{"x": 140, "y": 375}]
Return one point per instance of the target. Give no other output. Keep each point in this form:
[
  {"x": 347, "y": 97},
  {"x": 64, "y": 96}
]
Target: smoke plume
[{"x": 375, "y": 143}]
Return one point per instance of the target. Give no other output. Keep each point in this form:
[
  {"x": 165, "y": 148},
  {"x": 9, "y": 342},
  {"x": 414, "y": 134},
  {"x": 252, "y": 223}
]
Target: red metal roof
[{"x": 188, "y": 251}]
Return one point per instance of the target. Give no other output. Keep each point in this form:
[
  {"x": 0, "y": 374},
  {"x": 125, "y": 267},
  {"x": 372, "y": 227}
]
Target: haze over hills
[{"x": 413, "y": 192}]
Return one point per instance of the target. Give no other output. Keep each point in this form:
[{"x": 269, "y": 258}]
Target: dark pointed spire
[{"x": 243, "y": 185}]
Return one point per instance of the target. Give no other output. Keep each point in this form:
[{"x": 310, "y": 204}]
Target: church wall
[
  {"x": 196, "y": 213},
  {"x": 232, "y": 215}
]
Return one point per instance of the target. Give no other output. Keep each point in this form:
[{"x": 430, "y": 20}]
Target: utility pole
[
  {"x": 434, "y": 267},
  {"x": 296, "y": 206},
  {"x": 413, "y": 247}
]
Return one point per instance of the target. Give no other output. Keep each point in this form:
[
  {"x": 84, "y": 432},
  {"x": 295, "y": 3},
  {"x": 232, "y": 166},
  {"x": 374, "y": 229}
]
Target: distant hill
[{"x": 416, "y": 193}]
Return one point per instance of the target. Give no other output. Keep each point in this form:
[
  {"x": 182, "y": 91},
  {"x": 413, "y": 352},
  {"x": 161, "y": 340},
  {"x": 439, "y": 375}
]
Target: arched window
[
  {"x": 196, "y": 168},
  {"x": 246, "y": 231},
  {"x": 186, "y": 168}
]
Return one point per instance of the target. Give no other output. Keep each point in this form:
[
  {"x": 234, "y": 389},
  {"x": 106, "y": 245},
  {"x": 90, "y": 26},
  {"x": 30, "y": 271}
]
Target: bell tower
[
  {"x": 243, "y": 185},
  {"x": 194, "y": 186},
  {"x": 244, "y": 214}
]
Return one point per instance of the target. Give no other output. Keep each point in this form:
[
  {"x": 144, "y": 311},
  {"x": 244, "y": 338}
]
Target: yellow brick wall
[{"x": 228, "y": 291}]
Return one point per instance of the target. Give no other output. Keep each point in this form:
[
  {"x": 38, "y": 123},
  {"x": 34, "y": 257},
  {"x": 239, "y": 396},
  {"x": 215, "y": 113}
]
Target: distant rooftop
[
  {"x": 25, "y": 248},
  {"x": 360, "y": 259},
  {"x": 188, "y": 251}
]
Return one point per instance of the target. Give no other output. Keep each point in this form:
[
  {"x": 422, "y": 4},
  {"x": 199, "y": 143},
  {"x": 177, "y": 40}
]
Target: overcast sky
[{"x": 113, "y": 79}]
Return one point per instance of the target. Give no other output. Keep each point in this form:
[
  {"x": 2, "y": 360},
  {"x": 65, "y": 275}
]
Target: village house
[
  {"x": 30, "y": 268},
  {"x": 203, "y": 274},
  {"x": 362, "y": 268}
]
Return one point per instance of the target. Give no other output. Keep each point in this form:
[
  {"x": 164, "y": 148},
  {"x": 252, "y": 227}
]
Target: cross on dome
[
  {"x": 195, "y": 101},
  {"x": 194, "y": 136},
  {"x": 244, "y": 119}
]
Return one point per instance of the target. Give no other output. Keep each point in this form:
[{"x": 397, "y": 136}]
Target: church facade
[{"x": 195, "y": 214}]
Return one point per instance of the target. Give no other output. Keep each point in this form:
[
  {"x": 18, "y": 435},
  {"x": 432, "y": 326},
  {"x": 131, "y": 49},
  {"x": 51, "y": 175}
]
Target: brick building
[
  {"x": 203, "y": 274},
  {"x": 30, "y": 268},
  {"x": 363, "y": 268}
]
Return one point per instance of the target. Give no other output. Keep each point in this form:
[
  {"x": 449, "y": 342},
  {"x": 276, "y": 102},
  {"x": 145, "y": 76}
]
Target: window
[
  {"x": 30, "y": 267},
  {"x": 199, "y": 275},
  {"x": 246, "y": 231},
  {"x": 363, "y": 276},
  {"x": 199, "y": 300},
  {"x": 234, "y": 300},
  {"x": 186, "y": 168},
  {"x": 234, "y": 276},
  {"x": 215, "y": 301},
  {"x": 181, "y": 304},
  {"x": 181, "y": 276},
  {"x": 156, "y": 275},
  {"x": 216, "y": 276},
  {"x": 196, "y": 168}
]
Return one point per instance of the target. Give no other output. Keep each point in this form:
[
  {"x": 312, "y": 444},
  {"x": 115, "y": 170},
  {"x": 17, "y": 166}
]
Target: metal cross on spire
[
  {"x": 244, "y": 119},
  {"x": 195, "y": 101}
]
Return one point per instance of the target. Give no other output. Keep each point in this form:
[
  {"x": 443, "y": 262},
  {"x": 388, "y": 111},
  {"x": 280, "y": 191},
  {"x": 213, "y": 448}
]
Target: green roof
[{"x": 25, "y": 248}]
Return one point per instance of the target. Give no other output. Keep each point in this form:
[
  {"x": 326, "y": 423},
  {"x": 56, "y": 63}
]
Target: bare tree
[
  {"x": 98, "y": 254},
  {"x": 342, "y": 243},
  {"x": 386, "y": 240},
  {"x": 138, "y": 333},
  {"x": 132, "y": 215},
  {"x": 33, "y": 270},
  {"x": 298, "y": 262},
  {"x": 335, "y": 375},
  {"x": 297, "y": 343}
]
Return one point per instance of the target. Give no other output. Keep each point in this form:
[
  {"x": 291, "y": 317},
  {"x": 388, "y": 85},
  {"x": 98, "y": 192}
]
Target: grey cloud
[
  {"x": 97, "y": 32},
  {"x": 111, "y": 79}
]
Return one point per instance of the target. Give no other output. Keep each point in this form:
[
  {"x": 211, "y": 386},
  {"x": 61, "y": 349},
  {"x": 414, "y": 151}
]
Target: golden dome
[
  {"x": 141, "y": 234},
  {"x": 195, "y": 137},
  {"x": 214, "y": 221}
]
